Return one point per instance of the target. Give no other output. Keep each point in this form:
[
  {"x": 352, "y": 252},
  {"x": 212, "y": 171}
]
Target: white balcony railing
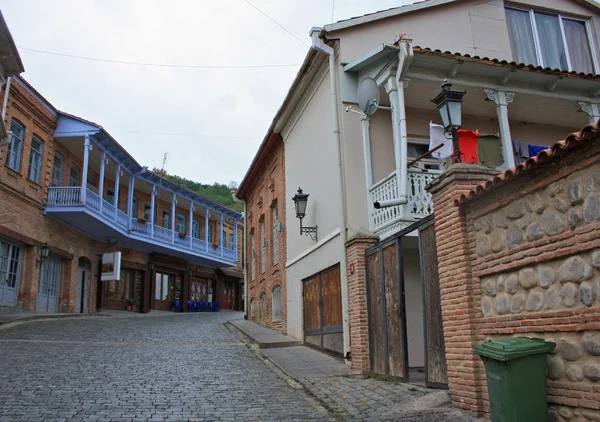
[
  {"x": 419, "y": 200},
  {"x": 61, "y": 196}
]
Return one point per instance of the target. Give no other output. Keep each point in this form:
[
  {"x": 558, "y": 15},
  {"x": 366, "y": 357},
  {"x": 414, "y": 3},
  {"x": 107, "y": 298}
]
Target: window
[
  {"x": 263, "y": 306},
  {"x": 276, "y": 303},
  {"x": 253, "y": 256},
  {"x": 13, "y": 160},
  {"x": 92, "y": 183},
  {"x": 166, "y": 221},
  {"x": 275, "y": 231},
  {"x": 167, "y": 287},
  {"x": 10, "y": 265},
  {"x": 549, "y": 40},
  {"x": 57, "y": 169},
  {"x": 74, "y": 175},
  {"x": 263, "y": 247},
  {"x": 134, "y": 207},
  {"x": 252, "y": 309},
  {"x": 35, "y": 159},
  {"x": 147, "y": 211},
  {"x": 231, "y": 241},
  {"x": 110, "y": 196},
  {"x": 224, "y": 239},
  {"x": 181, "y": 228},
  {"x": 122, "y": 289},
  {"x": 196, "y": 229},
  {"x": 209, "y": 234}
]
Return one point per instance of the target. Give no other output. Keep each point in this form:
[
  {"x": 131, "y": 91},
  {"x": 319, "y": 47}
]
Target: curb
[
  {"x": 261, "y": 345},
  {"x": 38, "y": 317}
]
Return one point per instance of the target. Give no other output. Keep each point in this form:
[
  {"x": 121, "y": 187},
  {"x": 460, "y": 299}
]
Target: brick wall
[
  {"x": 526, "y": 255},
  {"x": 357, "y": 300},
  {"x": 267, "y": 189}
]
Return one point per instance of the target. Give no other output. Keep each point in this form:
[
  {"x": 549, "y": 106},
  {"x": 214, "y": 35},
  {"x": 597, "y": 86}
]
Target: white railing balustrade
[
  {"x": 419, "y": 203},
  {"x": 71, "y": 196},
  {"x": 64, "y": 195}
]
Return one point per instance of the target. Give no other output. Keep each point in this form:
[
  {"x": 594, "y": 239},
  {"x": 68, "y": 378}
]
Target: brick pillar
[
  {"x": 466, "y": 379},
  {"x": 357, "y": 298}
]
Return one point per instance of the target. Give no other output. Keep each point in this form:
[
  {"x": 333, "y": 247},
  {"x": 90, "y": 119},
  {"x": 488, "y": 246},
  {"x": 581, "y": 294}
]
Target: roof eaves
[
  {"x": 588, "y": 133},
  {"x": 14, "y": 51},
  {"x": 21, "y": 80},
  {"x": 383, "y": 14}
]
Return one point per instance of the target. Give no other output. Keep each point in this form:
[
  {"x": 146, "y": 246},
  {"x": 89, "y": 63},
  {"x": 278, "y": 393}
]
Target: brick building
[
  {"x": 263, "y": 190},
  {"x": 70, "y": 193}
]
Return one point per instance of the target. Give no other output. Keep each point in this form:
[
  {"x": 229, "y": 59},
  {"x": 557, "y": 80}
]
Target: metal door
[
  {"x": 10, "y": 268},
  {"x": 47, "y": 300},
  {"x": 80, "y": 298}
]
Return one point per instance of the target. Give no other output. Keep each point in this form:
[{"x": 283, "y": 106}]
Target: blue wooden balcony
[{"x": 101, "y": 220}]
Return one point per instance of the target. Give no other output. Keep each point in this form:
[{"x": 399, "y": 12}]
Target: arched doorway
[{"x": 83, "y": 285}]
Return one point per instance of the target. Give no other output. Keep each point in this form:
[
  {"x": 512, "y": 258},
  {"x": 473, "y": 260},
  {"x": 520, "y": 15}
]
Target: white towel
[{"x": 436, "y": 137}]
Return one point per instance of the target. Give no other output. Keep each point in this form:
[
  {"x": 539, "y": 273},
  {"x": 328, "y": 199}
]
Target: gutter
[
  {"x": 318, "y": 44},
  {"x": 6, "y": 94}
]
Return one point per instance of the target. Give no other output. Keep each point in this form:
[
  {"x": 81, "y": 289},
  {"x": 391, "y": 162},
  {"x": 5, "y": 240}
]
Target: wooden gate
[
  {"x": 387, "y": 309},
  {"x": 322, "y": 298}
]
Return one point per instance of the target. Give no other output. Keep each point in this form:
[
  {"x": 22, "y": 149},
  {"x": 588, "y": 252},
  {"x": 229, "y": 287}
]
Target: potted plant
[
  {"x": 182, "y": 235},
  {"x": 135, "y": 302},
  {"x": 142, "y": 221}
]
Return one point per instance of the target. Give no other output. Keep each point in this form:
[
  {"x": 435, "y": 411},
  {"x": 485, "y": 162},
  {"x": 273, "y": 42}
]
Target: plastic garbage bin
[{"x": 516, "y": 378}]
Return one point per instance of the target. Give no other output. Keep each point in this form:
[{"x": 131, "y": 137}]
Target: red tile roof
[{"x": 574, "y": 140}]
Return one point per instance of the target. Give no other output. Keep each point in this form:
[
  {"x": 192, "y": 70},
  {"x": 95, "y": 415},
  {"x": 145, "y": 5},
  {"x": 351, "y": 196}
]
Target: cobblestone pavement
[{"x": 130, "y": 368}]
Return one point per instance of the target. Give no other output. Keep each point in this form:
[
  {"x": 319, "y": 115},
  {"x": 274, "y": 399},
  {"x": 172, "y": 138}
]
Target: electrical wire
[
  {"x": 276, "y": 23},
  {"x": 157, "y": 64},
  {"x": 191, "y": 135}
]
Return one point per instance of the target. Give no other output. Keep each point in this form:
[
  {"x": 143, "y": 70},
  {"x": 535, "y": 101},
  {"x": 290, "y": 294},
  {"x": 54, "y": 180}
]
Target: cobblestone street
[{"x": 126, "y": 368}]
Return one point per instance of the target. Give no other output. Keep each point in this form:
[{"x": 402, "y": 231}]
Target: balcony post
[
  {"x": 592, "y": 110},
  {"x": 86, "y": 161},
  {"x": 130, "y": 200},
  {"x": 235, "y": 240},
  {"x": 101, "y": 183},
  {"x": 206, "y": 217},
  {"x": 368, "y": 170},
  {"x": 173, "y": 210},
  {"x": 117, "y": 186},
  {"x": 191, "y": 222},
  {"x": 502, "y": 100},
  {"x": 153, "y": 200},
  {"x": 221, "y": 236}
]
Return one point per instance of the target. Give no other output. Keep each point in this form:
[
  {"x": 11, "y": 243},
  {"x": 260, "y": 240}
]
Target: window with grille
[
  {"x": 196, "y": 229},
  {"x": 74, "y": 175},
  {"x": 57, "y": 169},
  {"x": 10, "y": 264},
  {"x": 275, "y": 232},
  {"x": 35, "y": 159},
  {"x": 15, "y": 147},
  {"x": 276, "y": 303},
  {"x": 263, "y": 247},
  {"x": 550, "y": 40},
  {"x": 253, "y": 255},
  {"x": 263, "y": 305}
]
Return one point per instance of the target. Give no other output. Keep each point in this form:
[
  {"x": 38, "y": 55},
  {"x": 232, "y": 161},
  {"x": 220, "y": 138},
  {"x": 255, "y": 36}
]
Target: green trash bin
[{"x": 516, "y": 378}]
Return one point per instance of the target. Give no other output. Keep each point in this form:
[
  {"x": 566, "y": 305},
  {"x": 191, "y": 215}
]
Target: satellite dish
[{"x": 368, "y": 96}]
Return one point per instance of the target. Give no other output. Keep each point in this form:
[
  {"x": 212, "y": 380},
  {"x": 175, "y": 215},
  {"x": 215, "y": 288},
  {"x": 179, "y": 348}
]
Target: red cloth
[{"x": 467, "y": 143}]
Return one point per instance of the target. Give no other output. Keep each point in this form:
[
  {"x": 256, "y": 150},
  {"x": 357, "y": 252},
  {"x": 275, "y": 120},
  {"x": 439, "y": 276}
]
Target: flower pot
[
  {"x": 182, "y": 235},
  {"x": 129, "y": 307}
]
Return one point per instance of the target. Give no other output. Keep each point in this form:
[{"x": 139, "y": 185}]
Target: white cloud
[{"x": 128, "y": 99}]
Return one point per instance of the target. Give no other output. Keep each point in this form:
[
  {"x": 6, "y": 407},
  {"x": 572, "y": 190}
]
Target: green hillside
[{"x": 218, "y": 192}]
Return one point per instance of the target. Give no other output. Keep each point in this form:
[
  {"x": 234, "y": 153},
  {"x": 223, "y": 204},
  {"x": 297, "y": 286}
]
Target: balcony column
[
  {"x": 206, "y": 217},
  {"x": 152, "y": 208},
  {"x": 130, "y": 200},
  {"x": 502, "y": 100},
  {"x": 101, "y": 183},
  {"x": 191, "y": 222},
  {"x": 86, "y": 162},
  {"x": 117, "y": 186},
  {"x": 221, "y": 236},
  {"x": 364, "y": 123},
  {"x": 173, "y": 202},
  {"x": 235, "y": 240},
  {"x": 592, "y": 110}
]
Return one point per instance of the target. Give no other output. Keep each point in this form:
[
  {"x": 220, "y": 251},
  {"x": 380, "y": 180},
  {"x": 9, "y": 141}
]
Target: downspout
[
  {"x": 245, "y": 267},
  {"x": 405, "y": 56},
  {"x": 6, "y": 93},
  {"x": 319, "y": 45}
]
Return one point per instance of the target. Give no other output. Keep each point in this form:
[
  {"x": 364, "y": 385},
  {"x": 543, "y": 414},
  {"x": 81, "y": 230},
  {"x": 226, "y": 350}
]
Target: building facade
[
  {"x": 264, "y": 195},
  {"x": 70, "y": 193}
]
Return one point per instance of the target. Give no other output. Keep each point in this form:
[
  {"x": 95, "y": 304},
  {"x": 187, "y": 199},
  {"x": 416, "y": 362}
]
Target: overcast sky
[{"x": 209, "y": 121}]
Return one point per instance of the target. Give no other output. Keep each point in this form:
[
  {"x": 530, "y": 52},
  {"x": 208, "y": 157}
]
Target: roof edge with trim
[{"x": 13, "y": 47}]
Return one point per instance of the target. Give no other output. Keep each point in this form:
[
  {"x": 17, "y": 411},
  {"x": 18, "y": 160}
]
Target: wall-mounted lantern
[
  {"x": 449, "y": 104},
  {"x": 300, "y": 200},
  {"x": 44, "y": 250}
]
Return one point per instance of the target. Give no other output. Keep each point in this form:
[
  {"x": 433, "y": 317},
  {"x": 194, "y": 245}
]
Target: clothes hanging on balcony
[
  {"x": 467, "y": 144},
  {"x": 533, "y": 150},
  {"x": 489, "y": 150},
  {"x": 521, "y": 152},
  {"x": 436, "y": 138}
]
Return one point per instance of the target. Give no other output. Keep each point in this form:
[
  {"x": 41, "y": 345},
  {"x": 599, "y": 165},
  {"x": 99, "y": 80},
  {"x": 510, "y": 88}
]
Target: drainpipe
[
  {"x": 244, "y": 255},
  {"x": 319, "y": 45},
  {"x": 6, "y": 92},
  {"x": 400, "y": 133}
]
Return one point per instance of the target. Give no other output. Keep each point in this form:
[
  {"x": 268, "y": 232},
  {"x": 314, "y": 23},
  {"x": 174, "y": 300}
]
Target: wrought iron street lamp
[
  {"x": 44, "y": 250},
  {"x": 449, "y": 104},
  {"x": 300, "y": 199}
]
